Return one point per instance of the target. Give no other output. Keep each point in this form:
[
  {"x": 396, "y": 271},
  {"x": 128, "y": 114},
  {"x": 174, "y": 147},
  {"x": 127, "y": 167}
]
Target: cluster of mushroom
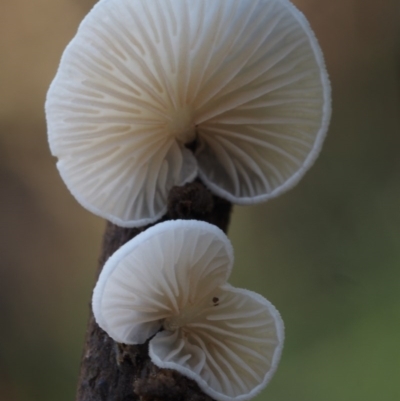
[{"x": 151, "y": 94}]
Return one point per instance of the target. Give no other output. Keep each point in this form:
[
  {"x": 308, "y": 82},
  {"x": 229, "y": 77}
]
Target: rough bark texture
[{"x": 118, "y": 372}]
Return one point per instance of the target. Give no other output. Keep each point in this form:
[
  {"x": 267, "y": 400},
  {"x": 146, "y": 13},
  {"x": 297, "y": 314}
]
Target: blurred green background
[{"x": 327, "y": 253}]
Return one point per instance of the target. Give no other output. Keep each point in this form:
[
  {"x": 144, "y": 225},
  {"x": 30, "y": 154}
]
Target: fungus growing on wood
[
  {"x": 151, "y": 94},
  {"x": 170, "y": 282}
]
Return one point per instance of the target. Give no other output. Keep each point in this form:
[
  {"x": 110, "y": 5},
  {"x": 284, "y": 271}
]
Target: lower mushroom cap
[
  {"x": 173, "y": 277},
  {"x": 245, "y": 79}
]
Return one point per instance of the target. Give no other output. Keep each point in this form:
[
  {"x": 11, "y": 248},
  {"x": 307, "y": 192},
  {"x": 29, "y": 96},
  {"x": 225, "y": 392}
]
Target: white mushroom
[
  {"x": 243, "y": 81},
  {"x": 173, "y": 277}
]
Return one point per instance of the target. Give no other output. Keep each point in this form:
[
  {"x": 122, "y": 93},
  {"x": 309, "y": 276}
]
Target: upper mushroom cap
[
  {"x": 243, "y": 79},
  {"x": 173, "y": 276}
]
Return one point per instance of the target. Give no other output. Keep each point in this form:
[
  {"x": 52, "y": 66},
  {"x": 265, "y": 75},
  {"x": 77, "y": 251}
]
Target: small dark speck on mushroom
[{"x": 215, "y": 300}]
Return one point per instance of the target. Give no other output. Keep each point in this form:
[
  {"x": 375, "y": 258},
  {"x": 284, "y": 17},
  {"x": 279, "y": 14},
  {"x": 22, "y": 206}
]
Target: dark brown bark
[{"x": 118, "y": 372}]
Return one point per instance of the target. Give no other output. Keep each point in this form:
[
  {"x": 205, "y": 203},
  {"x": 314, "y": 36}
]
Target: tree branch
[{"x": 118, "y": 372}]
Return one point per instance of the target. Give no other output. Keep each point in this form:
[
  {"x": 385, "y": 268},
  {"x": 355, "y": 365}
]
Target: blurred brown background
[{"x": 327, "y": 253}]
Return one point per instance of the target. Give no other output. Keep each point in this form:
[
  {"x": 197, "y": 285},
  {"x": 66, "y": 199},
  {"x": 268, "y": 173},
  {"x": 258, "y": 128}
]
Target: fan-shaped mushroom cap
[
  {"x": 243, "y": 79},
  {"x": 173, "y": 276}
]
